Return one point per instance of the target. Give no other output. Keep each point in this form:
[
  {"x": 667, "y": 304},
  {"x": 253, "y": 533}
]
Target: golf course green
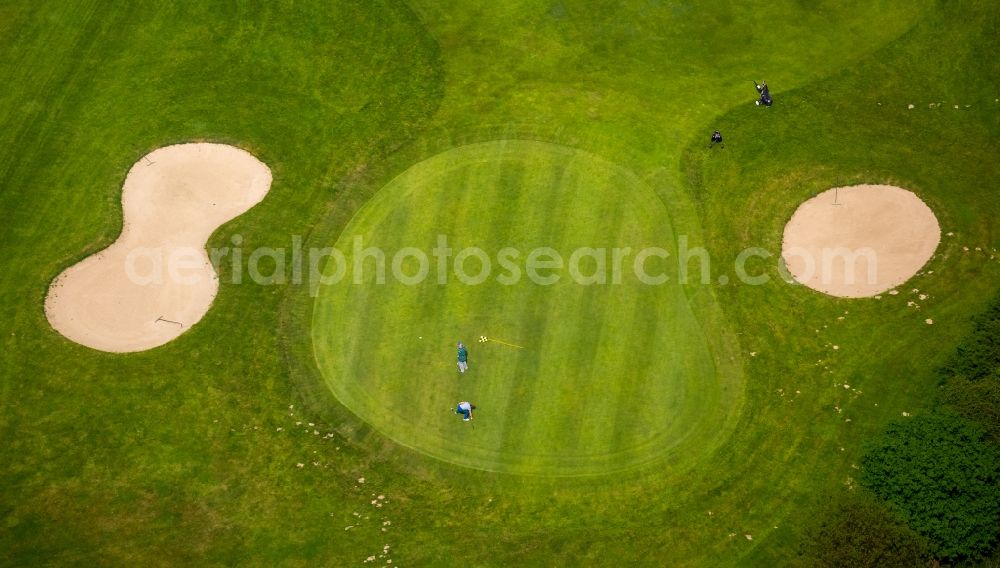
[
  {"x": 607, "y": 376},
  {"x": 307, "y": 418}
]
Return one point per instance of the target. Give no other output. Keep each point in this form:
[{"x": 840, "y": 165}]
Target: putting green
[{"x": 612, "y": 376}]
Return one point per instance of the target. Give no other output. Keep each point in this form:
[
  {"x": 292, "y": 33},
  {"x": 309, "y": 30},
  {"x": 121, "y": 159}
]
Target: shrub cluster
[
  {"x": 977, "y": 400},
  {"x": 978, "y": 355},
  {"x": 862, "y": 531},
  {"x": 938, "y": 470}
]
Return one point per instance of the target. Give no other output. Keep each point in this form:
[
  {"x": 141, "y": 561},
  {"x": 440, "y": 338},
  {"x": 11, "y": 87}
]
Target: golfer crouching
[{"x": 465, "y": 409}]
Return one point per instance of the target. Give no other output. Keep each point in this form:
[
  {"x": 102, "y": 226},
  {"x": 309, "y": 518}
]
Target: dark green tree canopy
[
  {"x": 861, "y": 531},
  {"x": 938, "y": 470},
  {"x": 978, "y": 355}
]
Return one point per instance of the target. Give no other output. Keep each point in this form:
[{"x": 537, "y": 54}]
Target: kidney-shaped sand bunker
[
  {"x": 156, "y": 280},
  {"x": 858, "y": 241}
]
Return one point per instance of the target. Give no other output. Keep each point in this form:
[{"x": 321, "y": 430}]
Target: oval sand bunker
[
  {"x": 858, "y": 241},
  {"x": 156, "y": 280}
]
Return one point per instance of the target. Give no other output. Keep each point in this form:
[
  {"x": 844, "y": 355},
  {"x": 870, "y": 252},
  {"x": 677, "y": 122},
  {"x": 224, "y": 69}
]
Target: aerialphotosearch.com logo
[{"x": 472, "y": 266}]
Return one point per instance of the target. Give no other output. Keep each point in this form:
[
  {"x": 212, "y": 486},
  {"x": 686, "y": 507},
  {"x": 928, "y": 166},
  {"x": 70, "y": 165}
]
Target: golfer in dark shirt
[
  {"x": 717, "y": 139},
  {"x": 463, "y": 358}
]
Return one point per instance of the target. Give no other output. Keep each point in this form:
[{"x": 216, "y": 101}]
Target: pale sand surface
[
  {"x": 172, "y": 200},
  {"x": 888, "y": 224}
]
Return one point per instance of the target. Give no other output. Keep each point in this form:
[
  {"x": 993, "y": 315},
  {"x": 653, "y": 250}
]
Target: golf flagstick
[{"x": 484, "y": 339}]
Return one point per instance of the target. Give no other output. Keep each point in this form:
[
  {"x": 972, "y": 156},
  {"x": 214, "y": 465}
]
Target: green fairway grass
[
  {"x": 679, "y": 425},
  {"x": 612, "y": 375}
]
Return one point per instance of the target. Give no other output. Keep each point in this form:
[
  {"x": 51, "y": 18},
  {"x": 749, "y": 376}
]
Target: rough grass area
[{"x": 226, "y": 446}]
